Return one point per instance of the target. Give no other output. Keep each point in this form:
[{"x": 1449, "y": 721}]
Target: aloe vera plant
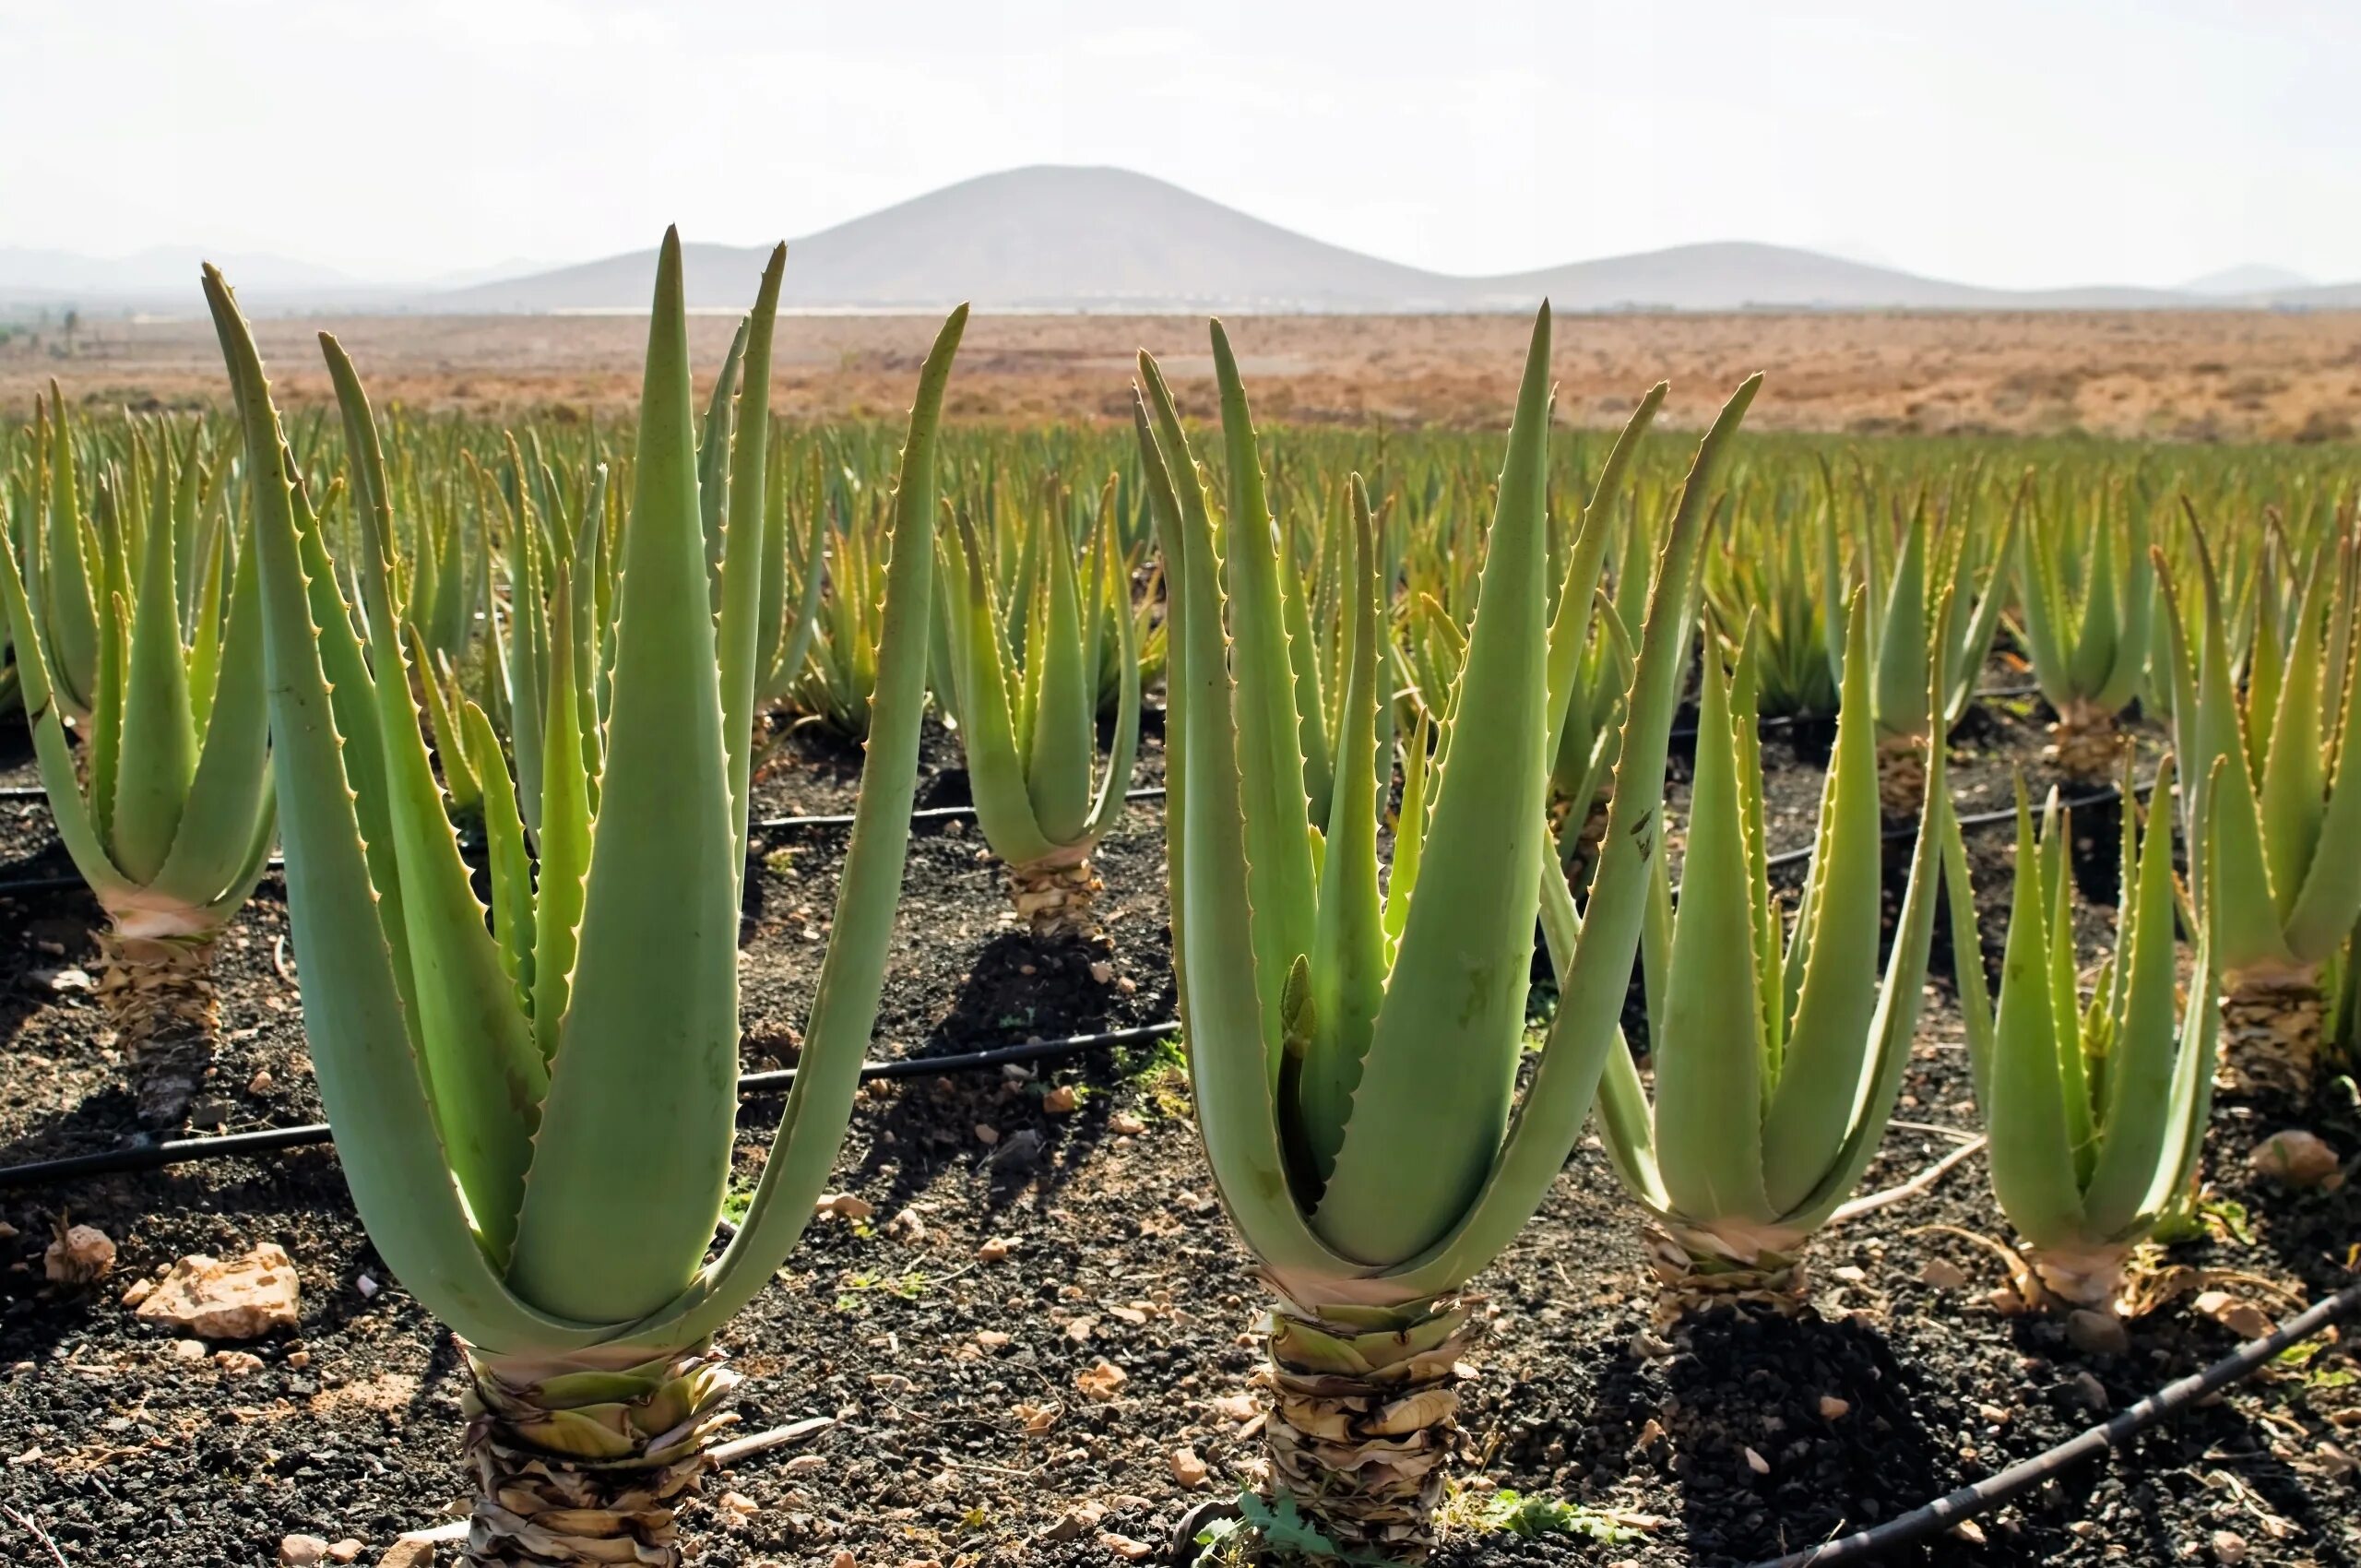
[
  {"x": 535, "y": 1113},
  {"x": 2274, "y": 765},
  {"x": 2096, "y": 1099},
  {"x": 167, "y": 809},
  {"x": 1024, "y": 687},
  {"x": 1354, "y": 1056},
  {"x": 1913, "y": 713},
  {"x": 2087, "y": 592},
  {"x": 1777, "y": 1053}
]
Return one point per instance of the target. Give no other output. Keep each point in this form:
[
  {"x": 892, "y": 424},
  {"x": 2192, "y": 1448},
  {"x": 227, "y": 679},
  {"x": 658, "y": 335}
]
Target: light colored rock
[
  {"x": 1756, "y": 1463},
  {"x": 1125, "y": 1547},
  {"x": 2294, "y": 1158},
  {"x": 845, "y": 1205},
  {"x": 2229, "y": 1548},
  {"x": 237, "y": 1363},
  {"x": 82, "y": 1254},
  {"x": 1103, "y": 1380},
  {"x": 1942, "y": 1274},
  {"x": 1126, "y": 1125},
  {"x": 188, "y": 1349},
  {"x": 302, "y": 1551},
  {"x": 1187, "y": 1468},
  {"x": 1061, "y": 1101},
  {"x": 410, "y": 1554},
  {"x": 346, "y": 1551},
  {"x": 243, "y": 1299},
  {"x": 1832, "y": 1409},
  {"x": 140, "y": 1291},
  {"x": 2096, "y": 1334},
  {"x": 996, "y": 1249}
]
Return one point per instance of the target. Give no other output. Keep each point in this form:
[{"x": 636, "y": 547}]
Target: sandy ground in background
[{"x": 2181, "y": 376}]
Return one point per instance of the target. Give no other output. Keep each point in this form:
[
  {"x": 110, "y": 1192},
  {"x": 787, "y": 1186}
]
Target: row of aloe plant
[{"x": 534, "y": 1101}]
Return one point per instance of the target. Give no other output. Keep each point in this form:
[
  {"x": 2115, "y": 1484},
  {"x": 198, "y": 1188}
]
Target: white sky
[{"x": 2009, "y": 142}]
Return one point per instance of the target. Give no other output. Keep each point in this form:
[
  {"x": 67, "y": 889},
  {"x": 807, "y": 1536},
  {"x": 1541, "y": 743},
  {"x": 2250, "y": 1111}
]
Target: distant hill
[
  {"x": 1029, "y": 239},
  {"x": 2251, "y": 279},
  {"x": 1056, "y": 238}
]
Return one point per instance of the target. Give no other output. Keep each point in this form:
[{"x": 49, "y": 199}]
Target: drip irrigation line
[
  {"x": 1908, "y": 1529},
  {"x": 271, "y": 1140},
  {"x": 67, "y": 884},
  {"x": 924, "y": 813}
]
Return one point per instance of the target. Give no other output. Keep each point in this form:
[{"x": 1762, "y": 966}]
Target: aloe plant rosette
[
  {"x": 1354, "y": 1058},
  {"x": 1027, "y": 724},
  {"x": 2095, "y": 1106},
  {"x": 535, "y": 1115},
  {"x": 1777, "y": 1053},
  {"x": 2277, "y": 770},
  {"x": 167, "y": 809}
]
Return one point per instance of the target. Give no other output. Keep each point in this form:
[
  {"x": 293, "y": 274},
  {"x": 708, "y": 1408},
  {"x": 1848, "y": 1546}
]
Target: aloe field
[{"x": 881, "y": 992}]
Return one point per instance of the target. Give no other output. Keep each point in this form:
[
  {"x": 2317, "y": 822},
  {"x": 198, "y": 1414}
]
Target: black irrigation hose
[
  {"x": 765, "y": 825},
  {"x": 271, "y": 1140},
  {"x": 1908, "y": 1529}
]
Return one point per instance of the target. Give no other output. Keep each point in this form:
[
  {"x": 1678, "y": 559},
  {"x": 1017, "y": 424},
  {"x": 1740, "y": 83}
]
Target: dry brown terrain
[{"x": 2212, "y": 375}]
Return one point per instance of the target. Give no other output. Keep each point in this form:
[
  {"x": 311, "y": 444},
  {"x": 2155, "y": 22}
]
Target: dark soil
[{"x": 962, "y": 1436}]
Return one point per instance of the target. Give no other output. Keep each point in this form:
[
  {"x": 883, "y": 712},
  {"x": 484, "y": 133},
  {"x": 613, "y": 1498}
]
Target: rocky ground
[{"x": 1032, "y": 1344}]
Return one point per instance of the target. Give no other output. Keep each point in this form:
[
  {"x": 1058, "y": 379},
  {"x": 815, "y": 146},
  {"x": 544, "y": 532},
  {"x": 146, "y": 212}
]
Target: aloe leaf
[
  {"x": 1442, "y": 1059},
  {"x": 1234, "y": 1037},
  {"x": 2143, "y": 1064},
  {"x": 1591, "y": 993},
  {"x": 371, "y": 1081},
  {"x": 742, "y": 557},
  {"x": 1831, "y": 1041},
  {"x": 478, "y": 1047},
  {"x": 1064, "y": 735},
  {"x": 844, "y": 1008},
  {"x": 2032, "y": 1155},
  {"x": 1709, "y": 1060},
  {"x": 1269, "y": 753},
  {"x": 988, "y": 733},
  {"x": 648, "y": 1054},
  {"x": 1348, "y": 964},
  {"x": 231, "y": 785}
]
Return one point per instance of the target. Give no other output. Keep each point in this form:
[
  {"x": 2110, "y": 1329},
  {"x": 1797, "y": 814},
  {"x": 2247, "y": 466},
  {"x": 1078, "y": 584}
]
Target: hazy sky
[{"x": 2010, "y": 142}]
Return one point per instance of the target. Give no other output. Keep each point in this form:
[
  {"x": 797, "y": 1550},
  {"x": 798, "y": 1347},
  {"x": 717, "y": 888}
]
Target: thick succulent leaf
[
  {"x": 564, "y": 842},
  {"x": 1829, "y": 1050},
  {"x": 1124, "y": 754},
  {"x": 371, "y": 1081},
  {"x": 2032, "y": 1160},
  {"x": 743, "y": 552},
  {"x": 844, "y": 1008},
  {"x": 1709, "y": 1060},
  {"x": 1591, "y": 994},
  {"x": 1901, "y": 686},
  {"x": 2237, "y": 876},
  {"x": 1234, "y": 1039},
  {"x": 2145, "y": 1060},
  {"x": 1164, "y": 506},
  {"x": 1065, "y": 733},
  {"x": 510, "y": 864},
  {"x": 52, "y": 750},
  {"x": 648, "y": 1054},
  {"x": 231, "y": 786},
  {"x": 2330, "y": 901},
  {"x": 488, "y": 1078},
  {"x": 996, "y": 769},
  {"x": 1269, "y": 752},
  {"x": 157, "y": 759},
  {"x": 1348, "y": 969},
  {"x": 1442, "y": 1061}
]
